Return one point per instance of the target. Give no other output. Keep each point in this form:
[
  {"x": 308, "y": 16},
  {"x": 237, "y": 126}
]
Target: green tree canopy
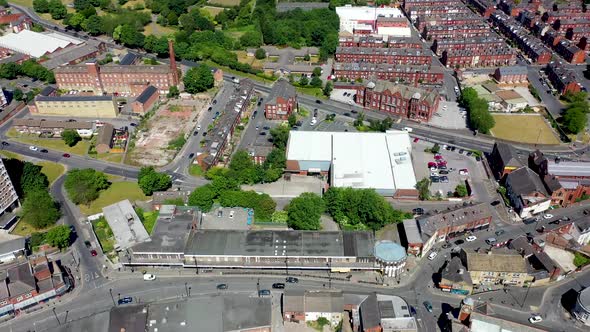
[
  {"x": 149, "y": 180},
  {"x": 262, "y": 204},
  {"x": 71, "y": 137},
  {"x": 59, "y": 236},
  {"x": 316, "y": 82},
  {"x": 480, "y": 118},
  {"x": 304, "y": 212},
  {"x": 198, "y": 79},
  {"x": 202, "y": 197},
  {"x": 243, "y": 169},
  {"x": 32, "y": 179},
  {"x": 39, "y": 209},
  {"x": 461, "y": 190},
  {"x": 423, "y": 187},
  {"x": 84, "y": 185},
  {"x": 260, "y": 54},
  {"x": 280, "y": 136}
]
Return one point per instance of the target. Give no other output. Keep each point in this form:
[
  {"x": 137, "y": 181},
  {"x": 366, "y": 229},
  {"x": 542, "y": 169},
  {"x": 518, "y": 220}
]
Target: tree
[
  {"x": 41, "y": 6},
  {"x": 292, "y": 119},
  {"x": 57, "y": 9},
  {"x": 575, "y": 120},
  {"x": 32, "y": 179},
  {"x": 317, "y": 72},
  {"x": 198, "y": 79},
  {"x": 304, "y": 80},
  {"x": 461, "y": 190},
  {"x": 328, "y": 88},
  {"x": 84, "y": 185},
  {"x": 173, "y": 92},
  {"x": 316, "y": 82},
  {"x": 17, "y": 94},
  {"x": 39, "y": 209},
  {"x": 128, "y": 36},
  {"x": 306, "y": 57},
  {"x": 280, "y": 136},
  {"x": 280, "y": 217},
  {"x": 304, "y": 212},
  {"x": 71, "y": 137},
  {"x": 244, "y": 169},
  {"x": 251, "y": 39},
  {"x": 262, "y": 204},
  {"x": 202, "y": 197},
  {"x": 260, "y": 54},
  {"x": 423, "y": 187},
  {"x": 93, "y": 25},
  {"x": 149, "y": 180},
  {"x": 59, "y": 236},
  {"x": 9, "y": 70}
]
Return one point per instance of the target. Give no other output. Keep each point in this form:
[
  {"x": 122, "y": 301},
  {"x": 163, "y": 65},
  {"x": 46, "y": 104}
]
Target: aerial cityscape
[{"x": 294, "y": 165}]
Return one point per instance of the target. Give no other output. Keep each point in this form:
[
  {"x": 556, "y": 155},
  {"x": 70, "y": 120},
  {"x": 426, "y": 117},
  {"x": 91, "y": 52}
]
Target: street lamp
[
  {"x": 58, "y": 322},
  {"x": 111, "y": 291},
  {"x": 189, "y": 291}
]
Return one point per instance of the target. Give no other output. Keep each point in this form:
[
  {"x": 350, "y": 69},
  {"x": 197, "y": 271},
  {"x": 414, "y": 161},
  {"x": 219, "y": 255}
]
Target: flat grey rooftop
[
  {"x": 280, "y": 243},
  {"x": 125, "y": 224},
  {"x": 211, "y": 313},
  {"x": 171, "y": 231},
  {"x": 97, "y": 322}
]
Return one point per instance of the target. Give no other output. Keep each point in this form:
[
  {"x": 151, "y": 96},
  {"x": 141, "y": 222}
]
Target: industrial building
[
  {"x": 36, "y": 44},
  {"x": 381, "y": 161},
  {"x": 383, "y": 21},
  {"x": 8, "y": 198},
  {"x": 76, "y": 106}
]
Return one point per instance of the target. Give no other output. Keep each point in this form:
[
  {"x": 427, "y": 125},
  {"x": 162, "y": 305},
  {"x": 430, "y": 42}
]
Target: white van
[
  {"x": 408, "y": 129},
  {"x": 149, "y": 277}
]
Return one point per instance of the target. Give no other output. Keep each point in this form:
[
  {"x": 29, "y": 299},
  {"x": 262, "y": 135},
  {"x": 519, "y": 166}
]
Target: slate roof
[
  {"x": 21, "y": 279},
  {"x": 282, "y": 88},
  {"x": 73, "y": 98},
  {"x": 105, "y": 134},
  {"x": 128, "y": 59},
  {"x": 455, "y": 272},
  {"x": 407, "y": 92},
  {"x": 524, "y": 181},
  {"x": 460, "y": 215},
  {"x": 12, "y": 245},
  {"x": 507, "y": 154},
  {"x": 146, "y": 94}
]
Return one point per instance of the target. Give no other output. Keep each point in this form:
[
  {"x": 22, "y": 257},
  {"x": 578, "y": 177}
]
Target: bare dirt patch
[{"x": 171, "y": 121}]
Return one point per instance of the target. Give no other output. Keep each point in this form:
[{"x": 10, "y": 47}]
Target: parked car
[
  {"x": 292, "y": 280},
  {"x": 149, "y": 277},
  {"x": 87, "y": 244},
  {"x": 66, "y": 155},
  {"x": 500, "y": 232},
  {"x": 264, "y": 292},
  {"x": 195, "y": 133},
  {"x": 44, "y": 151},
  {"x": 418, "y": 211},
  {"x": 317, "y": 101},
  {"x": 491, "y": 240},
  {"x": 555, "y": 222},
  {"x": 204, "y": 133},
  {"x": 222, "y": 286},
  {"x": 93, "y": 253},
  {"x": 463, "y": 172},
  {"x": 278, "y": 285},
  {"x": 471, "y": 238},
  {"x": 431, "y": 164},
  {"x": 5, "y": 143},
  {"x": 548, "y": 216},
  {"x": 428, "y": 306},
  {"x": 443, "y": 172},
  {"x": 535, "y": 319},
  {"x": 432, "y": 255},
  {"x": 215, "y": 101},
  {"x": 461, "y": 151},
  {"x": 494, "y": 203},
  {"x": 33, "y": 148},
  {"x": 133, "y": 124},
  {"x": 191, "y": 155},
  {"x": 444, "y": 179},
  {"x": 125, "y": 300},
  {"x": 458, "y": 242},
  {"x": 564, "y": 219}
]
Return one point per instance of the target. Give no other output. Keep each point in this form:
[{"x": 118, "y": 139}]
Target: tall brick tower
[{"x": 173, "y": 62}]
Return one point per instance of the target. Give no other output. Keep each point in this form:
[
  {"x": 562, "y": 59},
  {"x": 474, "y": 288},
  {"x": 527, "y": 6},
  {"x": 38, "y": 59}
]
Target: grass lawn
[
  {"x": 252, "y": 61},
  {"x": 239, "y": 31},
  {"x": 213, "y": 10},
  {"x": 157, "y": 30},
  {"x": 118, "y": 191},
  {"x": 196, "y": 170},
  {"x": 26, "y": 3},
  {"x": 241, "y": 74},
  {"x": 53, "y": 143},
  {"x": 149, "y": 220},
  {"x": 317, "y": 92},
  {"x": 225, "y": 3},
  {"x": 51, "y": 170},
  {"x": 112, "y": 157},
  {"x": 23, "y": 228},
  {"x": 531, "y": 129},
  {"x": 10, "y": 155}
]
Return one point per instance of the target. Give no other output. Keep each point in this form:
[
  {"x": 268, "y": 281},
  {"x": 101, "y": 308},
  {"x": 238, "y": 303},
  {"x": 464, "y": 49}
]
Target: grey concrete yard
[
  {"x": 219, "y": 218},
  {"x": 449, "y": 116},
  {"x": 296, "y": 186}
]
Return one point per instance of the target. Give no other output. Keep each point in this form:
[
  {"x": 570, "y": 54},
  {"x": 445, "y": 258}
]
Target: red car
[
  {"x": 431, "y": 164},
  {"x": 66, "y": 155},
  {"x": 416, "y": 140},
  {"x": 93, "y": 252},
  {"x": 438, "y": 157}
]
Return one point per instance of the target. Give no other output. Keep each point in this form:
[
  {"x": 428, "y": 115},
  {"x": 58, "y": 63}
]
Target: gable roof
[
  {"x": 524, "y": 181},
  {"x": 21, "y": 280},
  {"x": 495, "y": 262},
  {"x": 507, "y": 154},
  {"x": 454, "y": 271},
  {"x": 460, "y": 215},
  {"x": 407, "y": 92},
  {"x": 282, "y": 88},
  {"x": 146, "y": 94}
]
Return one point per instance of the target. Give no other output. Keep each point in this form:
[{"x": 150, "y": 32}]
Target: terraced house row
[
  {"x": 350, "y": 40},
  {"x": 383, "y": 55},
  {"x": 411, "y": 74},
  {"x": 415, "y": 12}
]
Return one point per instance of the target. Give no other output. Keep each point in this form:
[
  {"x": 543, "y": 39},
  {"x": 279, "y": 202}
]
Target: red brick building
[
  {"x": 484, "y": 7},
  {"x": 446, "y": 19},
  {"x": 281, "y": 102},
  {"x": 570, "y": 52},
  {"x": 483, "y": 57},
  {"x": 118, "y": 79},
  {"x": 414, "y": 12},
  {"x": 407, "y": 74},
  {"x": 349, "y": 40},
  {"x": 409, "y": 4},
  {"x": 579, "y": 36},
  {"x": 145, "y": 100},
  {"x": 473, "y": 44},
  {"x": 511, "y": 74},
  {"x": 383, "y": 55},
  {"x": 563, "y": 79},
  {"x": 401, "y": 100}
]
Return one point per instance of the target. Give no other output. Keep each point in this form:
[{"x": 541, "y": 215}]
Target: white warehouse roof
[
  {"x": 36, "y": 44},
  {"x": 358, "y": 160},
  {"x": 366, "y": 13}
]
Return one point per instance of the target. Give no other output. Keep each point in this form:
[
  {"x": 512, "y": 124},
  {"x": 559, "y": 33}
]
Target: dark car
[
  {"x": 500, "y": 232},
  {"x": 292, "y": 280},
  {"x": 222, "y": 286},
  {"x": 278, "y": 285},
  {"x": 428, "y": 306},
  {"x": 5, "y": 143},
  {"x": 263, "y": 133},
  {"x": 353, "y": 111},
  {"x": 453, "y": 148},
  {"x": 478, "y": 158},
  {"x": 458, "y": 242},
  {"x": 555, "y": 222},
  {"x": 195, "y": 133},
  {"x": 266, "y": 127},
  {"x": 443, "y": 172},
  {"x": 494, "y": 203},
  {"x": 469, "y": 153},
  {"x": 125, "y": 300},
  {"x": 191, "y": 155},
  {"x": 66, "y": 155},
  {"x": 446, "y": 246},
  {"x": 72, "y": 120},
  {"x": 204, "y": 133},
  {"x": 87, "y": 244},
  {"x": 44, "y": 150},
  {"x": 133, "y": 124},
  {"x": 461, "y": 151},
  {"x": 418, "y": 211},
  {"x": 346, "y": 114},
  {"x": 214, "y": 101},
  {"x": 93, "y": 253},
  {"x": 586, "y": 211},
  {"x": 264, "y": 292},
  {"x": 209, "y": 109},
  {"x": 317, "y": 101}
]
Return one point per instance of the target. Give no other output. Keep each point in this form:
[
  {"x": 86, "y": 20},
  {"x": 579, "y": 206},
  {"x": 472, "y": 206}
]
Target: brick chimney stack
[{"x": 173, "y": 62}]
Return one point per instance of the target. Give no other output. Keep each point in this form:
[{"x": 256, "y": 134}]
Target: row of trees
[
  {"x": 38, "y": 207},
  {"x": 575, "y": 116},
  {"x": 28, "y": 68},
  {"x": 480, "y": 118},
  {"x": 54, "y": 7},
  {"x": 352, "y": 208}
]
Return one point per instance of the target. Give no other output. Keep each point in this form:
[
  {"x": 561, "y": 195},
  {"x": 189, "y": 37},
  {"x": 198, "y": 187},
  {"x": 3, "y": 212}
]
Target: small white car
[
  {"x": 535, "y": 319},
  {"x": 231, "y": 214},
  {"x": 548, "y": 216},
  {"x": 313, "y": 121},
  {"x": 199, "y": 127},
  {"x": 149, "y": 277},
  {"x": 432, "y": 255},
  {"x": 33, "y": 148},
  {"x": 471, "y": 238}
]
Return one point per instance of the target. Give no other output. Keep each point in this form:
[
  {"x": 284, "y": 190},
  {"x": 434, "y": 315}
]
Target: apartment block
[
  {"x": 8, "y": 196},
  {"x": 424, "y": 74},
  {"x": 383, "y": 55}
]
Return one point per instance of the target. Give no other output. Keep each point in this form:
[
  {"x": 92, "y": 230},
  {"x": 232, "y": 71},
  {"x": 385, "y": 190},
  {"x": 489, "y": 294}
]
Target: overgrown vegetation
[
  {"x": 581, "y": 260},
  {"x": 575, "y": 116},
  {"x": 84, "y": 185},
  {"x": 30, "y": 68},
  {"x": 304, "y": 212},
  {"x": 480, "y": 118}
]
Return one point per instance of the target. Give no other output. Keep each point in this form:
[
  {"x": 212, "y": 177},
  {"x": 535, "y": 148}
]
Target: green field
[
  {"x": 51, "y": 170},
  {"x": 196, "y": 170},
  {"x": 118, "y": 191},
  {"x": 527, "y": 128},
  {"x": 23, "y": 228},
  {"x": 51, "y": 143},
  {"x": 225, "y": 3}
]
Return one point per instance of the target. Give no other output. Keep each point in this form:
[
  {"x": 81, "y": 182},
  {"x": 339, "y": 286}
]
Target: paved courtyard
[
  {"x": 296, "y": 186},
  {"x": 449, "y": 116}
]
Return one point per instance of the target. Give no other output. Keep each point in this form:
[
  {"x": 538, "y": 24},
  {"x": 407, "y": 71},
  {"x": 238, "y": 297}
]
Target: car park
[
  {"x": 278, "y": 285},
  {"x": 444, "y": 179},
  {"x": 443, "y": 172},
  {"x": 222, "y": 286},
  {"x": 471, "y": 238},
  {"x": 125, "y": 300}
]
